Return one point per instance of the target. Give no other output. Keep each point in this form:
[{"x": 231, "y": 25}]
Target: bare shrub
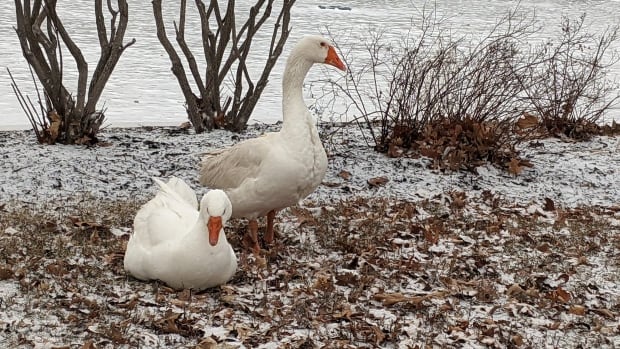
[
  {"x": 459, "y": 100},
  {"x": 59, "y": 117},
  {"x": 447, "y": 98},
  {"x": 568, "y": 89},
  {"x": 226, "y": 49}
]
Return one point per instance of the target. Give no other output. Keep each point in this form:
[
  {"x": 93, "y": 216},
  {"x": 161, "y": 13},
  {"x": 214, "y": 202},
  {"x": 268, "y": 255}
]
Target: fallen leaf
[
  {"x": 207, "y": 343},
  {"x": 544, "y": 248},
  {"x": 130, "y": 304},
  {"x": 53, "y": 129},
  {"x": 582, "y": 260},
  {"x": 243, "y": 331},
  {"x": 5, "y": 273},
  {"x": 429, "y": 152},
  {"x": 549, "y": 205},
  {"x": 185, "y": 295},
  {"x": 431, "y": 237},
  {"x": 393, "y": 298},
  {"x": 395, "y": 151},
  {"x": 564, "y": 277},
  {"x": 344, "y": 313},
  {"x": 517, "y": 340},
  {"x": 378, "y": 181},
  {"x": 514, "y": 166},
  {"x": 577, "y": 310},
  {"x": 527, "y": 121},
  {"x": 515, "y": 289},
  {"x": 89, "y": 344},
  {"x": 379, "y": 335},
  {"x": 560, "y": 295},
  {"x": 344, "y": 174},
  {"x": 604, "y": 312}
]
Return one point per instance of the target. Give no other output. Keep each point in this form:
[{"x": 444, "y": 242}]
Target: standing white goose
[
  {"x": 178, "y": 244},
  {"x": 263, "y": 175}
]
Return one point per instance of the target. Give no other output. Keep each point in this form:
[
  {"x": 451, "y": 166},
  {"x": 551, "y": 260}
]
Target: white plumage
[
  {"x": 275, "y": 171},
  {"x": 180, "y": 244}
]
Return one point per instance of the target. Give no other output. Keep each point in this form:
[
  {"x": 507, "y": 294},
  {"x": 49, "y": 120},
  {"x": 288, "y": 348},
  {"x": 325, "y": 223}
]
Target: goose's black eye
[{"x": 323, "y": 44}]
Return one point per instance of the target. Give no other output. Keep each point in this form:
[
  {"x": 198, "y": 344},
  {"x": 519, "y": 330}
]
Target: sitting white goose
[
  {"x": 263, "y": 175},
  {"x": 178, "y": 244}
]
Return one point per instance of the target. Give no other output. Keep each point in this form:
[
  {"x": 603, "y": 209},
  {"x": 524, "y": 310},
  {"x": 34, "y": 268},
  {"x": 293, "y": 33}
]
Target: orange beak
[
  {"x": 333, "y": 59},
  {"x": 214, "y": 226}
]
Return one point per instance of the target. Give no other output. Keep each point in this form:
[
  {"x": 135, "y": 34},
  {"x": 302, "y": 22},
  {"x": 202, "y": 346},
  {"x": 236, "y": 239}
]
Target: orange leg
[
  {"x": 269, "y": 236},
  {"x": 253, "y": 227}
]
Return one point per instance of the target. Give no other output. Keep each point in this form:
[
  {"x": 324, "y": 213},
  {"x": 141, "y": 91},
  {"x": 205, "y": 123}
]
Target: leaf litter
[{"x": 387, "y": 253}]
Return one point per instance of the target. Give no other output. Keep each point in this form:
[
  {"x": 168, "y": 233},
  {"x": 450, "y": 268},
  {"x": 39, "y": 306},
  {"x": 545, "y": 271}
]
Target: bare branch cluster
[
  {"x": 76, "y": 119},
  {"x": 568, "y": 87},
  {"x": 457, "y": 100},
  {"x": 226, "y": 48}
]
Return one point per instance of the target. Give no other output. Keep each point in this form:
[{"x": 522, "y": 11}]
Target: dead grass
[{"x": 356, "y": 273}]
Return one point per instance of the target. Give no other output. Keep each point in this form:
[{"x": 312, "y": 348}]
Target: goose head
[
  {"x": 216, "y": 208},
  {"x": 318, "y": 49}
]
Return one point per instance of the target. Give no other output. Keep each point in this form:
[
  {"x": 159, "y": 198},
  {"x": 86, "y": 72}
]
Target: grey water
[{"x": 143, "y": 91}]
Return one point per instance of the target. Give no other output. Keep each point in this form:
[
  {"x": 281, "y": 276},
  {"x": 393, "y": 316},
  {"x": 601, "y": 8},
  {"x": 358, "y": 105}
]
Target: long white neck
[{"x": 294, "y": 110}]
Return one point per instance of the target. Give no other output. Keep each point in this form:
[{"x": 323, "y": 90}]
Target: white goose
[
  {"x": 263, "y": 175},
  {"x": 178, "y": 244}
]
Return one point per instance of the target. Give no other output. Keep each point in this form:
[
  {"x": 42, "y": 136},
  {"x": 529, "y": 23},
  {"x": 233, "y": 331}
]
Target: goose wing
[{"x": 229, "y": 168}]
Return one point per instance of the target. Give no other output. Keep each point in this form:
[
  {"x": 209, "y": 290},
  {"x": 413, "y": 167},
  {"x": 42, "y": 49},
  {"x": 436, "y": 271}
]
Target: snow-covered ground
[
  {"x": 426, "y": 260},
  {"x": 570, "y": 173}
]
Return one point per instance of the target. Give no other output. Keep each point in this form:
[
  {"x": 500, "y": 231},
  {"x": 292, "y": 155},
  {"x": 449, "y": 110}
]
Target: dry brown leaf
[
  {"x": 549, "y": 205},
  {"x": 489, "y": 331},
  {"x": 344, "y": 174},
  {"x": 527, "y": 121},
  {"x": 560, "y": 295},
  {"x": 431, "y": 237},
  {"x": 577, "y": 310},
  {"x": 89, "y": 344},
  {"x": 389, "y": 299},
  {"x": 303, "y": 215},
  {"x": 517, "y": 340},
  {"x": 582, "y": 260},
  {"x": 395, "y": 151},
  {"x": 243, "y": 331},
  {"x": 5, "y": 273},
  {"x": 604, "y": 312},
  {"x": 564, "y": 277},
  {"x": 115, "y": 334},
  {"x": 56, "y": 269},
  {"x": 379, "y": 335},
  {"x": 207, "y": 343},
  {"x": 544, "y": 248},
  {"x": 344, "y": 313},
  {"x": 515, "y": 289},
  {"x": 429, "y": 152},
  {"x": 184, "y": 295},
  {"x": 378, "y": 181},
  {"x": 78, "y": 222},
  {"x": 130, "y": 304},
  {"x": 514, "y": 166},
  {"x": 53, "y": 129}
]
